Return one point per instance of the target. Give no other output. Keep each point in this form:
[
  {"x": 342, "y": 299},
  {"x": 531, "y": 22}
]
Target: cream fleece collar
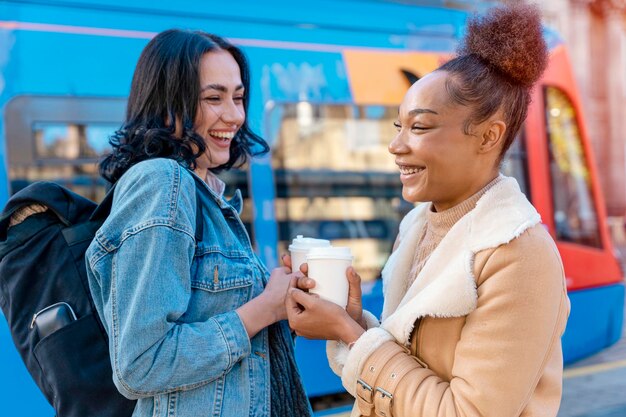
[{"x": 446, "y": 286}]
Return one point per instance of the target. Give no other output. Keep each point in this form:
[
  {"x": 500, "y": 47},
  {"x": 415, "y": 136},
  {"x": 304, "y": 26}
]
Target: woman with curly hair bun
[
  {"x": 475, "y": 296},
  {"x": 196, "y": 323}
]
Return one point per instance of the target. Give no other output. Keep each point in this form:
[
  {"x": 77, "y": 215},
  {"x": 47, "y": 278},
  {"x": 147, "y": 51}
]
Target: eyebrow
[
  {"x": 219, "y": 87},
  {"x": 415, "y": 112}
]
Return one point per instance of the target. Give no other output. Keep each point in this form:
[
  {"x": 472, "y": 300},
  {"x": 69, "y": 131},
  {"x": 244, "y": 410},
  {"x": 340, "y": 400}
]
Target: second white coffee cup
[{"x": 327, "y": 266}]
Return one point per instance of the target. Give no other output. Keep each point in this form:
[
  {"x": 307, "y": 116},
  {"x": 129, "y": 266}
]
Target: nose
[
  {"x": 398, "y": 145},
  {"x": 233, "y": 113}
]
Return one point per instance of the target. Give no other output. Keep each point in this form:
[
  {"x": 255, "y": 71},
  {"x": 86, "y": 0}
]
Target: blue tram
[{"x": 327, "y": 78}]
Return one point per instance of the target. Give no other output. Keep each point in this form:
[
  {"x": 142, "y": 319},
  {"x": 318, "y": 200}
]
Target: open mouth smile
[{"x": 409, "y": 170}]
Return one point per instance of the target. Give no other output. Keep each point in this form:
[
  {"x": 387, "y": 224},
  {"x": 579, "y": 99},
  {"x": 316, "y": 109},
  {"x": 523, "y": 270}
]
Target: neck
[
  {"x": 201, "y": 172},
  {"x": 469, "y": 191}
]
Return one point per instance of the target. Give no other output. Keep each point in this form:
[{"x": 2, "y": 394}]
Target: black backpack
[
  {"x": 46, "y": 300},
  {"x": 45, "y": 297}
]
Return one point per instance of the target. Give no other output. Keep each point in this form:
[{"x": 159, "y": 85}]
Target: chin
[
  {"x": 411, "y": 197},
  {"x": 218, "y": 160}
]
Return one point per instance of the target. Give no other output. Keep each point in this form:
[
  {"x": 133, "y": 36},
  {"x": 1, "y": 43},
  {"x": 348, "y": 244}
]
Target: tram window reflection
[
  {"x": 69, "y": 153},
  {"x": 575, "y": 216},
  {"x": 515, "y": 163},
  {"x": 65, "y": 153},
  {"x": 71, "y": 141},
  {"x": 336, "y": 180}
]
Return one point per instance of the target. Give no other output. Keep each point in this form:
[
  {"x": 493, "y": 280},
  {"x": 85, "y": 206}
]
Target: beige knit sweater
[{"x": 437, "y": 226}]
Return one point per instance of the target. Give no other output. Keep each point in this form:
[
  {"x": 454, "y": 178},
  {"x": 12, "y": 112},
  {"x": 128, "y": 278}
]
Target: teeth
[
  {"x": 410, "y": 170},
  {"x": 223, "y": 135}
]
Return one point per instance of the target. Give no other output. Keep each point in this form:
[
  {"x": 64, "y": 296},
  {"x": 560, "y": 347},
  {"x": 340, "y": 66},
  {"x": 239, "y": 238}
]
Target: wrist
[
  {"x": 268, "y": 309},
  {"x": 351, "y": 331}
]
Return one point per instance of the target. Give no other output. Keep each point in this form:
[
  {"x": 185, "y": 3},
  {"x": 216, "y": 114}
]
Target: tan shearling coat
[{"x": 478, "y": 334}]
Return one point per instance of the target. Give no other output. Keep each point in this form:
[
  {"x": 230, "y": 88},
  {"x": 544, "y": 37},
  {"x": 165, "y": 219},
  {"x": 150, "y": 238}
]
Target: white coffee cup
[
  {"x": 299, "y": 248},
  {"x": 327, "y": 266}
]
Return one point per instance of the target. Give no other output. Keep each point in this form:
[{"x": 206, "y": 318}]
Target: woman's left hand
[
  {"x": 354, "y": 308},
  {"x": 315, "y": 318}
]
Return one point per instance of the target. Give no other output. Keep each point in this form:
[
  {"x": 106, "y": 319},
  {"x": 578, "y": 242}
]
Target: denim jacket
[{"x": 168, "y": 302}]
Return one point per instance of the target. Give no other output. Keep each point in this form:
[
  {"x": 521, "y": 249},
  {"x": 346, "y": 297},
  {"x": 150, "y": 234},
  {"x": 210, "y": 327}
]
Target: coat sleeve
[
  {"x": 148, "y": 290},
  {"x": 505, "y": 346}
]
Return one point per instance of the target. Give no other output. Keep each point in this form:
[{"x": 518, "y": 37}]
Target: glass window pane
[
  {"x": 71, "y": 141},
  {"x": 97, "y": 143},
  {"x": 336, "y": 179},
  {"x": 515, "y": 163},
  {"x": 66, "y": 153},
  {"x": 69, "y": 153},
  {"x": 575, "y": 215}
]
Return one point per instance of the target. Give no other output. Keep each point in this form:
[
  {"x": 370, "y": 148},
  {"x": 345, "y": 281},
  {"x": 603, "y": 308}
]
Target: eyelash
[
  {"x": 414, "y": 127},
  {"x": 217, "y": 98}
]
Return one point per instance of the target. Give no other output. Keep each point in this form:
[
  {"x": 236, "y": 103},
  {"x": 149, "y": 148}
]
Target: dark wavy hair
[
  {"x": 166, "y": 88},
  {"x": 501, "y": 57}
]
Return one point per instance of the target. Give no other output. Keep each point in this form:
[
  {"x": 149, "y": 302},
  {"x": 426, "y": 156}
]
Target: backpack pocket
[{"x": 74, "y": 362}]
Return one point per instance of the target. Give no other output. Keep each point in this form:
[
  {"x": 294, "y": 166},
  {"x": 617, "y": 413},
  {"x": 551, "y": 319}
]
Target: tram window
[
  {"x": 62, "y": 139},
  {"x": 69, "y": 154},
  {"x": 66, "y": 153},
  {"x": 515, "y": 163},
  {"x": 71, "y": 141},
  {"x": 336, "y": 180},
  {"x": 575, "y": 215}
]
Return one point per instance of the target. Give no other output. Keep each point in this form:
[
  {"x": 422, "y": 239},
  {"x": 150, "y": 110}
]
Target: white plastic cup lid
[
  {"x": 330, "y": 252},
  {"x": 301, "y": 243}
]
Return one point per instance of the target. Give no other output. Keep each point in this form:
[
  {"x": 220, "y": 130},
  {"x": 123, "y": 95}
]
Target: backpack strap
[
  {"x": 104, "y": 208},
  {"x": 82, "y": 232}
]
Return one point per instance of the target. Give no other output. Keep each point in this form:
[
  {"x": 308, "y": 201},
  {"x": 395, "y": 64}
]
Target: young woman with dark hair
[
  {"x": 166, "y": 88},
  {"x": 196, "y": 323},
  {"x": 475, "y": 296}
]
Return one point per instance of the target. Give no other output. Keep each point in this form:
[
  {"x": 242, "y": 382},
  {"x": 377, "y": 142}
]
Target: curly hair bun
[{"x": 510, "y": 39}]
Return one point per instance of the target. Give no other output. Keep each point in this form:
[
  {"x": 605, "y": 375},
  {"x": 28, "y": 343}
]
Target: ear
[{"x": 493, "y": 136}]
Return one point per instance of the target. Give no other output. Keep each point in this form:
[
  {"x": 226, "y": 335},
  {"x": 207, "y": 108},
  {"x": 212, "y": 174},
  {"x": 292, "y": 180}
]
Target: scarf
[{"x": 288, "y": 398}]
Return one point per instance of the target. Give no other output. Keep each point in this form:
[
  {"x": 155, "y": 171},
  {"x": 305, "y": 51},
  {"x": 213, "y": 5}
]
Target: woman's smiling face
[
  {"x": 221, "y": 110},
  {"x": 438, "y": 161}
]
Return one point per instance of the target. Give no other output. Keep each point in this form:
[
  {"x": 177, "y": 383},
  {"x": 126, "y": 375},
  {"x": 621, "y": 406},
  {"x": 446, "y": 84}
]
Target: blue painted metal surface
[{"x": 595, "y": 321}]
